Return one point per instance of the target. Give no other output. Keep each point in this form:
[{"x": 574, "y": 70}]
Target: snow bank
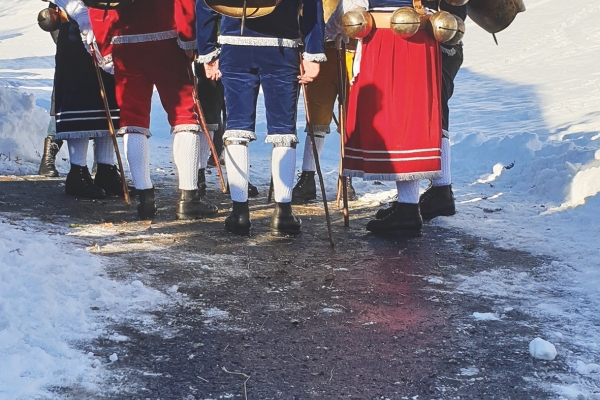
[
  {"x": 54, "y": 296},
  {"x": 23, "y": 127}
]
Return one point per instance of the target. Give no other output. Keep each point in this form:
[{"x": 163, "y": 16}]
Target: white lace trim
[
  {"x": 187, "y": 45},
  {"x": 208, "y": 57},
  {"x": 146, "y": 37},
  {"x": 186, "y": 128},
  {"x": 259, "y": 41},
  {"x": 392, "y": 177},
  {"x": 239, "y": 134},
  {"x": 319, "y": 57},
  {"x": 287, "y": 140},
  {"x": 81, "y": 134},
  {"x": 134, "y": 129}
]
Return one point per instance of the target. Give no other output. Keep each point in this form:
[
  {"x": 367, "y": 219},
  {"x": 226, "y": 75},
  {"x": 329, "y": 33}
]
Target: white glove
[
  {"x": 109, "y": 67},
  {"x": 77, "y": 11}
]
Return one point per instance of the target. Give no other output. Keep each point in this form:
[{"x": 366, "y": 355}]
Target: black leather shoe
[
  {"x": 283, "y": 221},
  {"x": 252, "y": 190},
  {"x": 79, "y": 183},
  {"x": 193, "y": 206},
  {"x": 202, "y": 182},
  {"x": 404, "y": 219},
  {"x": 108, "y": 178},
  {"x": 437, "y": 201},
  {"x": 384, "y": 212},
  {"x": 48, "y": 163},
  {"x": 305, "y": 189},
  {"x": 147, "y": 207},
  {"x": 238, "y": 221}
]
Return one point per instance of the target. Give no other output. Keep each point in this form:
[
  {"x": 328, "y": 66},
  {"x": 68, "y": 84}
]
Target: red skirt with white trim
[{"x": 394, "y": 125}]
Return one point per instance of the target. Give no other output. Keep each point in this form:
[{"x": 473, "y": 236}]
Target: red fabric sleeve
[
  {"x": 185, "y": 20},
  {"x": 102, "y": 24}
]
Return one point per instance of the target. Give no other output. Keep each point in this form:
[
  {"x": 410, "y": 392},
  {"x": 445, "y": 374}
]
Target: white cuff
[{"x": 319, "y": 57}]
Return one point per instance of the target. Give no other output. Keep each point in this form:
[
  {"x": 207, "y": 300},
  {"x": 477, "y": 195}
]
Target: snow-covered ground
[{"x": 525, "y": 128}]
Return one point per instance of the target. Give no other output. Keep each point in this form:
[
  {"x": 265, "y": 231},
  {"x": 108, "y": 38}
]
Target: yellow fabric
[{"x": 323, "y": 91}]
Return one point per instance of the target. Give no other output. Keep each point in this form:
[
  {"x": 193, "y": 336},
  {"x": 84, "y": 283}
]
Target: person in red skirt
[
  {"x": 394, "y": 116},
  {"x": 151, "y": 44}
]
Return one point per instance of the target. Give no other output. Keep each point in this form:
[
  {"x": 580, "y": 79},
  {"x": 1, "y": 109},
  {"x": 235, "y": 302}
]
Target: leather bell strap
[{"x": 418, "y": 6}]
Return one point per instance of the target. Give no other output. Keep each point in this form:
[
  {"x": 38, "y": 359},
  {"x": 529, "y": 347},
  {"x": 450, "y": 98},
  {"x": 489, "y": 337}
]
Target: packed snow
[
  {"x": 542, "y": 349},
  {"x": 525, "y": 131}
]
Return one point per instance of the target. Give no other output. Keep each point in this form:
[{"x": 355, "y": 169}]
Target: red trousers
[{"x": 141, "y": 66}]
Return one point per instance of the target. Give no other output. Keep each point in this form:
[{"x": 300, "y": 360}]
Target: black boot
[
  {"x": 48, "y": 163},
  {"x": 384, "y": 212},
  {"x": 252, "y": 190},
  {"x": 305, "y": 189},
  {"x": 202, "y": 182},
  {"x": 193, "y": 206},
  {"x": 108, "y": 178},
  {"x": 404, "y": 219},
  {"x": 350, "y": 189},
  {"x": 147, "y": 207},
  {"x": 283, "y": 221},
  {"x": 79, "y": 183},
  {"x": 437, "y": 201},
  {"x": 238, "y": 221}
]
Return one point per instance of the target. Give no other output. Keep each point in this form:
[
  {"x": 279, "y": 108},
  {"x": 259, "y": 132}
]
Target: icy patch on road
[{"x": 485, "y": 316}]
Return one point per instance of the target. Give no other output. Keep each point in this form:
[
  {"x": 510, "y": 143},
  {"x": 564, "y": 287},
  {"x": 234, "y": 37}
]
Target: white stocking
[
  {"x": 283, "y": 167},
  {"x": 137, "y": 153},
  {"x": 408, "y": 191},
  {"x": 237, "y": 163},
  {"x": 185, "y": 155}
]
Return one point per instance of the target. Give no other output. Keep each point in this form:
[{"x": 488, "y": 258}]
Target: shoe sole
[
  {"x": 304, "y": 200},
  {"x": 279, "y": 233},
  {"x": 72, "y": 194},
  {"x": 441, "y": 214},
  {"x": 184, "y": 217},
  {"x": 239, "y": 231},
  {"x": 399, "y": 233}
]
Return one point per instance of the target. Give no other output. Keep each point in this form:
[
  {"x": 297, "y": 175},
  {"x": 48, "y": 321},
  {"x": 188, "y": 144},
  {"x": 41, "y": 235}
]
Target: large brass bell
[
  {"x": 405, "y": 22},
  {"x": 49, "y": 19},
  {"x": 444, "y": 26},
  {"x": 457, "y": 3},
  {"x": 460, "y": 32},
  {"x": 357, "y": 23}
]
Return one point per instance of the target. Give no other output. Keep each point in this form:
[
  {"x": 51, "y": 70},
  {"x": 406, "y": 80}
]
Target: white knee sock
[
  {"x": 237, "y": 163},
  {"x": 185, "y": 154},
  {"x": 137, "y": 153},
  {"x": 78, "y": 151},
  {"x": 204, "y": 149},
  {"x": 104, "y": 150},
  {"x": 446, "y": 177},
  {"x": 408, "y": 191},
  {"x": 308, "y": 159},
  {"x": 283, "y": 168}
]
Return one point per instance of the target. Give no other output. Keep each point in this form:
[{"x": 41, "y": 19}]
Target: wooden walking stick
[
  {"x": 111, "y": 126},
  {"x": 342, "y": 96},
  {"x": 311, "y": 134},
  {"x": 205, "y": 127}
]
